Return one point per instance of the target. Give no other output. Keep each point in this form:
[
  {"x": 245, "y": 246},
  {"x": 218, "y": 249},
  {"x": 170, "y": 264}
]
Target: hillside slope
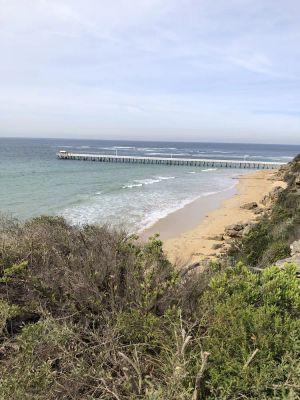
[{"x": 270, "y": 240}]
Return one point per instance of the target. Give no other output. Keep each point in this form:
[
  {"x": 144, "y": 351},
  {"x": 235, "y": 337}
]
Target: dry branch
[{"x": 200, "y": 375}]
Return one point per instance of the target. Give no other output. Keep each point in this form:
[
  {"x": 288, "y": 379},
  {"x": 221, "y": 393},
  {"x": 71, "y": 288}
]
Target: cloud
[
  {"x": 256, "y": 63},
  {"x": 116, "y": 65}
]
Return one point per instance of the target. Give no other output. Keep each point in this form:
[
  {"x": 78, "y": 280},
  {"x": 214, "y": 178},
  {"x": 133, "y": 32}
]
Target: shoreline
[
  {"x": 177, "y": 223},
  {"x": 190, "y": 234}
]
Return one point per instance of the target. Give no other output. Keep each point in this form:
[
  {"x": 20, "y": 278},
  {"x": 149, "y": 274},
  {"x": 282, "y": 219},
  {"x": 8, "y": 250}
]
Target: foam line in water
[
  {"x": 149, "y": 181},
  {"x": 165, "y": 178},
  {"x": 133, "y": 185},
  {"x": 156, "y": 215}
]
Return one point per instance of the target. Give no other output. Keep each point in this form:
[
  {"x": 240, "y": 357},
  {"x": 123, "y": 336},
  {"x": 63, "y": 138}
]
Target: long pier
[{"x": 190, "y": 162}]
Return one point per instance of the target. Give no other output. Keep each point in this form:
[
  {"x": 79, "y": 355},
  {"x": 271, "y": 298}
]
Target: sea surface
[{"x": 134, "y": 196}]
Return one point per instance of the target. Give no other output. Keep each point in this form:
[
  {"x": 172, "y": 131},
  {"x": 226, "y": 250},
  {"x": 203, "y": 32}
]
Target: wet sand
[
  {"x": 187, "y": 232},
  {"x": 188, "y": 217}
]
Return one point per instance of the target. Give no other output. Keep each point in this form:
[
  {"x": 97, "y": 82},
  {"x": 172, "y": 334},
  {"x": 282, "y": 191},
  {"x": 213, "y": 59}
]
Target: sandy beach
[{"x": 188, "y": 233}]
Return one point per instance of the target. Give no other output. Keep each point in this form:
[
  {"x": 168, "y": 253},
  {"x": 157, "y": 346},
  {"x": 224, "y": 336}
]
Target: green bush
[
  {"x": 7, "y": 311},
  {"x": 254, "y": 245},
  {"x": 253, "y": 334},
  {"x": 276, "y": 251},
  {"x": 94, "y": 314},
  {"x": 270, "y": 239}
]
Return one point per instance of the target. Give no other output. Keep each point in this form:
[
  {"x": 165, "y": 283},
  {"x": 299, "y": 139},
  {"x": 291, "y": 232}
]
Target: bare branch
[
  {"x": 200, "y": 375},
  {"x": 250, "y": 358}
]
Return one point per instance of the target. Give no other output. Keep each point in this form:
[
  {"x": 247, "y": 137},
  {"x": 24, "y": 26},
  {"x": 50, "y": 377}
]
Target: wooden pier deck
[{"x": 191, "y": 162}]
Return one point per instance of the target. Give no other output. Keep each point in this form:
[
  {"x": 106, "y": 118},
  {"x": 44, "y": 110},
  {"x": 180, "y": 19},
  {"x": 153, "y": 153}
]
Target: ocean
[{"x": 133, "y": 196}]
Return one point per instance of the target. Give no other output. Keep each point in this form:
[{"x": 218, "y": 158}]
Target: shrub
[
  {"x": 270, "y": 239},
  {"x": 97, "y": 315},
  {"x": 253, "y": 334},
  {"x": 276, "y": 251}
]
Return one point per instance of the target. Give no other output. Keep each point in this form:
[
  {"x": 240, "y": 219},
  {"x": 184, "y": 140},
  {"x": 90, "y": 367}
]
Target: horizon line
[{"x": 150, "y": 140}]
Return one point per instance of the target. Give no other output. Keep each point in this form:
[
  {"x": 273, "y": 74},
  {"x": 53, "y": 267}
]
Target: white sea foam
[
  {"x": 221, "y": 152},
  {"x": 209, "y": 169},
  {"x": 156, "y": 154},
  {"x": 124, "y": 147},
  {"x": 155, "y": 148},
  {"x": 148, "y": 181},
  {"x": 114, "y": 148},
  {"x": 133, "y": 185},
  {"x": 167, "y": 154},
  {"x": 165, "y": 178},
  {"x": 154, "y": 216},
  {"x": 139, "y": 215}
]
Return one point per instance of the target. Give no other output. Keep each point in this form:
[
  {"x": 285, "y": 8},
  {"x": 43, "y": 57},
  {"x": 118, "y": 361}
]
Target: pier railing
[{"x": 191, "y": 162}]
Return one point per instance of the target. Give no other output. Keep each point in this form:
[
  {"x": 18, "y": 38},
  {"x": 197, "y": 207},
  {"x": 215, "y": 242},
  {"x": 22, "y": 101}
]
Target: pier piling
[{"x": 191, "y": 162}]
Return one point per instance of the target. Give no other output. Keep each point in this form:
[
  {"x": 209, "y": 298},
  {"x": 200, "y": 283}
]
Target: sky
[{"x": 203, "y": 70}]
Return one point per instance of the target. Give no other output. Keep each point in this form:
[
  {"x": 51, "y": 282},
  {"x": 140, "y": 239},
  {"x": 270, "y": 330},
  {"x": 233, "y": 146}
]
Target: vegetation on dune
[
  {"x": 89, "y": 313},
  {"x": 270, "y": 239}
]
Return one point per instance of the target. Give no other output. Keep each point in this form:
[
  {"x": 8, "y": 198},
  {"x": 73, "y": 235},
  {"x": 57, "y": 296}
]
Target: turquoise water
[{"x": 34, "y": 182}]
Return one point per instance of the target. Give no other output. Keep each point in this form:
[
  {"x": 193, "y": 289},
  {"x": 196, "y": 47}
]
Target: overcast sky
[{"x": 223, "y": 70}]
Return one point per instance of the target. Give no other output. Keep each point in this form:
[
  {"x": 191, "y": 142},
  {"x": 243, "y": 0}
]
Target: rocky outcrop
[
  {"x": 258, "y": 211},
  {"x": 235, "y": 230},
  {"x": 218, "y": 238},
  {"x": 253, "y": 206},
  {"x": 235, "y": 227},
  {"x": 239, "y": 230},
  {"x": 248, "y": 228},
  {"x": 217, "y": 246},
  {"x": 295, "y": 259},
  {"x": 295, "y": 248},
  {"x": 282, "y": 172},
  {"x": 250, "y": 206},
  {"x": 272, "y": 197}
]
